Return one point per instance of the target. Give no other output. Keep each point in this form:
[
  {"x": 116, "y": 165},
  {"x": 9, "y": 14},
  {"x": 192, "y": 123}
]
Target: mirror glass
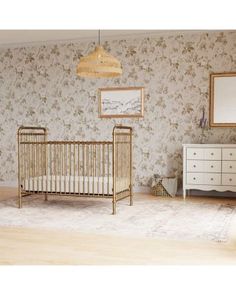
[{"x": 223, "y": 100}]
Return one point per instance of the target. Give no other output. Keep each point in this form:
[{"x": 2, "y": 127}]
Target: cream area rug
[{"x": 166, "y": 219}]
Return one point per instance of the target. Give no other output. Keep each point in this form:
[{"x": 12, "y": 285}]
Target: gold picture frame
[
  {"x": 222, "y": 103},
  {"x": 122, "y": 102}
]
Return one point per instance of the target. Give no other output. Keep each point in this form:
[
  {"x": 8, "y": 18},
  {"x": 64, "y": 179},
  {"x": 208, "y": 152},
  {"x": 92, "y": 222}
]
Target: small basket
[{"x": 159, "y": 190}]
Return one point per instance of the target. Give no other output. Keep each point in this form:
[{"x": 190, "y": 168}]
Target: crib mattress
[{"x": 75, "y": 184}]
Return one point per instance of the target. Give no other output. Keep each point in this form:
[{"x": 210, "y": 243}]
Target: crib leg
[
  {"x": 131, "y": 195},
  {"x": 20, "y": 200},
  {"x": 113, "y": 207},
  {"x": 131, "y": 199},
  {"x": 46, "y": 197}
]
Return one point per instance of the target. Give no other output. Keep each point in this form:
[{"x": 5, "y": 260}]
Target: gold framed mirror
[{"x": 223, "y": 99}]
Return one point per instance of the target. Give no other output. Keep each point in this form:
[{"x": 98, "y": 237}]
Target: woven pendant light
[{"x": 99, "y": 64}]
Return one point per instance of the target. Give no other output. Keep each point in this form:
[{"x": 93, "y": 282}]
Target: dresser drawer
[
  {"x": 212, "y": 154},
  {"x": 204, "y": 154},
  {"x": 195, "y": 166},
  {"x": 229, "y": 154},
  {"x": 212, "y": 178},
  {"x": 212, "y": 166},
  {"x": 229, "y": 179},
  {"x": 194, "y": 178},
  {"x": 204, "y": 178},
  {"x": 229, "y": 166},
  {"x": 203, "y": 166},
  {"x": 195, "y": 153}
]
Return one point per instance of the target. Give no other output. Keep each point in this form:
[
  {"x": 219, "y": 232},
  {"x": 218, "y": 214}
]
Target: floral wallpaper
[{"x": 39, "y": 86}]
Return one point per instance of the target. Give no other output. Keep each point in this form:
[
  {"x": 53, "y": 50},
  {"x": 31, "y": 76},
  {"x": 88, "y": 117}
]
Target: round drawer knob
[
  {"x": 212, "y": 178},
  {"x": 230, "y": 179},
  {"x": 212, "y": 154},
  {"x": 230, "y": 167},
  {"x": 212, "y": 166},
  {"x": 194, "y": 178},
  {"x": 194, "y": 154},
  {"x": 231, "y": 154},
  {"x": 194, "y": 166}
]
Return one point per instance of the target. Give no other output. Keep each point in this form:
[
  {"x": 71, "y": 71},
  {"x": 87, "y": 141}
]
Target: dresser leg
[{"x": 184, "y": 194}]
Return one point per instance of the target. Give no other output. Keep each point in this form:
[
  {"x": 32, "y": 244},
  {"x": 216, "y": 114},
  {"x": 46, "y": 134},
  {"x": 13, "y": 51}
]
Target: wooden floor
[{"x": 34, "y": 246}]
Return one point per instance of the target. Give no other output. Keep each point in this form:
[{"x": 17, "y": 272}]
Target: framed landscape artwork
[{"x": 121, "y": 102}]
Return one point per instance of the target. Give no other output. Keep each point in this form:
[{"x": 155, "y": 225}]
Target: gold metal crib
[{"x": 100, "y": 169}]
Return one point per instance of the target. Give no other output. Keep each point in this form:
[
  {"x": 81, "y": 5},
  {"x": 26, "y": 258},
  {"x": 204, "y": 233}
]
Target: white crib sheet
[{"x": 75, "y": 184}]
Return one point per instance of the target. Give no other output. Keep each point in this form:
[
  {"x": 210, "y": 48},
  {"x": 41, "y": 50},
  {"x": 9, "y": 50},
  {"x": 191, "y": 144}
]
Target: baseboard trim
[
  {"x": 142, "y": 189},
  {"x": 147, "y": 190},
  {"x": 8, "y": 183}
]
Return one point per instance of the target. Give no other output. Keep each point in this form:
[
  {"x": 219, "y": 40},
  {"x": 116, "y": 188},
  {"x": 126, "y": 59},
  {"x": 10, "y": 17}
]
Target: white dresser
[{"x": 209, "y": 167}]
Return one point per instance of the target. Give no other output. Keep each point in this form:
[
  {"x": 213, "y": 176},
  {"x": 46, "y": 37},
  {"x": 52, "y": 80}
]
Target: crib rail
[{"x": 61, "y": 167}]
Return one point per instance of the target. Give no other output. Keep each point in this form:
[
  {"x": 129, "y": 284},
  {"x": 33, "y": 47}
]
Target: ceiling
[
  {"x": 11, "y": 38},
  {"x": 14, "y": 37},
  {"x": 19, "y": 37}
]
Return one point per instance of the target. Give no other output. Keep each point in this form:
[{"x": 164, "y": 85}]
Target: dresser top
[{"x": 210, "y": 145}]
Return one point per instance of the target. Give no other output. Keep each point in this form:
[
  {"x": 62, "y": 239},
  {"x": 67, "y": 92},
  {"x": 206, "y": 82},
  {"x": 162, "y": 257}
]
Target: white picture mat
[{"x": 224, "y": 99}]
